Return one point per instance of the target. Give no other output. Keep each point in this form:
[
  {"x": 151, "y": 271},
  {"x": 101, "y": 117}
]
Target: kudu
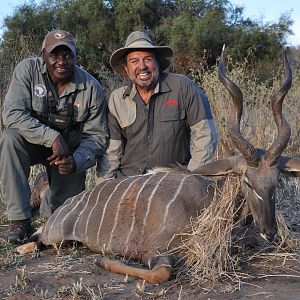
[{"x": 138, "y": 216}]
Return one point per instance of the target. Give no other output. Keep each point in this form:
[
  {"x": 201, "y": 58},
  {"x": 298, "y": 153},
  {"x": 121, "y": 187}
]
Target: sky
[{"x": 269, "y": 10}]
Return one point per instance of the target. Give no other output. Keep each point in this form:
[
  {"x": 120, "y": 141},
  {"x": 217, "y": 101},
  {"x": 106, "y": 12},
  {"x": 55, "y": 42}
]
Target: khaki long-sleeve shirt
[
  {"x": 27, "y": 96},
  {"x": 175, "y": 127}
]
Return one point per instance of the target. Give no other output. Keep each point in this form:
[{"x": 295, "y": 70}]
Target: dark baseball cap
[{"x": 57, "y": 38}]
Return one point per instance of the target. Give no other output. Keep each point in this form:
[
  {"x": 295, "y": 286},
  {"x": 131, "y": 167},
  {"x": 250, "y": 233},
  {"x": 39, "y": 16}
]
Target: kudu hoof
[
  {"x": 100, "y": 262},
  {"x": 26, "y": 248}
]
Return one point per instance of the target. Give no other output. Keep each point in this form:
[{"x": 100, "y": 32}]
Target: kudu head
[{"x": 260, "y": 170}]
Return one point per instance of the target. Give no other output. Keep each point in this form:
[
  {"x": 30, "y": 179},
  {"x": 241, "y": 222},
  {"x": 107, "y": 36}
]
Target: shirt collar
[{"x": 163, "y": 83}]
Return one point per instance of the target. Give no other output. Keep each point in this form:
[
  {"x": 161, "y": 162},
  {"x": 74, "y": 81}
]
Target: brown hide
[{"x": 137, "y": 216}]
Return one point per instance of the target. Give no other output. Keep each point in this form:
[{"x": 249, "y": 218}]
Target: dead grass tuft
[
  {"x": 208, "y": 245},
  {"x": 288, "y": 201},
  {"x": 213, "y": 253}
]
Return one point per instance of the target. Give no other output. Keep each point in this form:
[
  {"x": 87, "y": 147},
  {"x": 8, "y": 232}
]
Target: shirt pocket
[
  {"x": 39, "y": 104},
  {"x": 172, "y": 123},
  {"x": 80, "y": 110}
]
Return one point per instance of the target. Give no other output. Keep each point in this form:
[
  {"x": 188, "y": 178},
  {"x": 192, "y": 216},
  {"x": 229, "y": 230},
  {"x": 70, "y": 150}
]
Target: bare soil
[{"x": 73, "y": 275}]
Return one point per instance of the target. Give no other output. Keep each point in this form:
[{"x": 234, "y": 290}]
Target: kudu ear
[
  {"x": 289, "y": 166},
  {"x": 234, "y": 164}
]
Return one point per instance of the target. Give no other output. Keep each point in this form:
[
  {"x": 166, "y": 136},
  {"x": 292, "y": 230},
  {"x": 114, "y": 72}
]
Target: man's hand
[
  {"x": 60, "y": 150},
  {"x": 66, "y": 165}
]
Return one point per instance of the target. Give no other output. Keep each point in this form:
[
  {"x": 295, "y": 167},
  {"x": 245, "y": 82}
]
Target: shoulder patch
[{"x": 40, "y": 90}]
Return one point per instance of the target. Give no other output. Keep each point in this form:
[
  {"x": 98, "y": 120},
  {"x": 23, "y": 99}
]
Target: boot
[{"x": 19, "y": 230}]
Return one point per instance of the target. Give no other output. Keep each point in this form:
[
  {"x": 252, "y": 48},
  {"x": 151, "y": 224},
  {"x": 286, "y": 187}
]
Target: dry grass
[
  {"x": 208, "y": 245},
  {"x": 213, "y": 253},
  {"x": 210, "y": 251},
  {"x": 288, "y": 201},
  {"x": 257, "y": 124}
]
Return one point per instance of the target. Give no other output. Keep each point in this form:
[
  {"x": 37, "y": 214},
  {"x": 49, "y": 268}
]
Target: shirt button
[{"x": 149, "y": 137}]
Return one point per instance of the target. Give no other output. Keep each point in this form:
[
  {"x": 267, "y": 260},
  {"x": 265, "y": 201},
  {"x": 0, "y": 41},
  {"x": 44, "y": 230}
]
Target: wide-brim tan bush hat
[{"x": 138, "y": 41}]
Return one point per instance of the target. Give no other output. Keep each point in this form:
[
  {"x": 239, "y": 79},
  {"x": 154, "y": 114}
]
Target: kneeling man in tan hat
[{"x": 159, "y": 118}]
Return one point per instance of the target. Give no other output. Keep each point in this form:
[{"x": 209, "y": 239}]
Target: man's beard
[
  {"x": 143, "y": 84},
  {"x": 146, "y": 84}
]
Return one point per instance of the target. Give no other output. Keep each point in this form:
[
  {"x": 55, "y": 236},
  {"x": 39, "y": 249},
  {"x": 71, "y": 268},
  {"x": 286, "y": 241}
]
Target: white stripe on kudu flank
[
  {"x": 57, "y": 216},
  {"x": 119, "y": 207},
  {"x": 80, "y": 214},
  {"x": 173, "y": 200},
  {"x": 134, "y": 210},
  {"x": 105, "y": 206},
  {"x": 150, "y": 201},
  {"x": 91, "y": 211},
  {"x": 70, "y": 212}
]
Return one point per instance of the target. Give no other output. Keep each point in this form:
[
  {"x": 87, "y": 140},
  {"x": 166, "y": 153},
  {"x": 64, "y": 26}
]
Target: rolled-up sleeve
[
  {"x": 203, "y": 130},
  {"x": 204, "y": 139},
  {"x": 108, "y": 164}
]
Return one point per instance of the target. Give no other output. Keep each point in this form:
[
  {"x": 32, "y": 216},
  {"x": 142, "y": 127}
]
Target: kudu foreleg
[
  {"x": 34, "y": 242},
  {"x": 158, "y": 274}
]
